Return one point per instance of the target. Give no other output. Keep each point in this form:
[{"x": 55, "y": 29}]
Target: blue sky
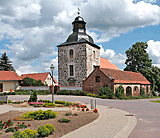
[{"x": 30, "y": 30}]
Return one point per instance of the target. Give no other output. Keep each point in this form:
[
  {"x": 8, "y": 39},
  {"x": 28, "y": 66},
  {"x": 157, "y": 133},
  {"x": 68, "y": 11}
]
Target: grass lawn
[{"x": 158, "y": 101}]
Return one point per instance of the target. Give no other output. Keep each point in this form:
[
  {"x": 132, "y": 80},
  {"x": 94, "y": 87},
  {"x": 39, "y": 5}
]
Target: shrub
[
  {"x": 45, "y": 101},
  {"x": 49, "y": 104},
  {"x": 68, "y": 103},
  {"x": 72, "y": 92},
  {"x": 142, "y": 92},
  {"x": 60, "y": 102},
  {"x": 1, "y": 102},
  {"x": 21, "y": 125},
  {"x": 63, "y": 120},
  {"x": 106, "y": 91},
  {"x": 40, "y": 115},
  {"x": 67, "y": 114},
  {"x": 119, "y": 92},
  {"x": 33, "y": 98},
  {"x": 50, "y": 127},
  {"x": 27, "y": 133},
  {"x": 43, "y": 131}
]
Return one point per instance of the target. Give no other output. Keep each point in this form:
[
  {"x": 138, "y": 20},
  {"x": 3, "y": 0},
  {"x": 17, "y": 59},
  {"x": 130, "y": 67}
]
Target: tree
[
  {"x": 32, "y": 82},
  {"x": 138, "y": 61},
  {"x": 5, "y": 63},
  {"x": 138, "y": 58}
]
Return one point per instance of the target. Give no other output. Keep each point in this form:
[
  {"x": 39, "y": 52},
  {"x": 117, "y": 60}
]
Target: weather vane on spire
[{"x": 78, "y": 11}]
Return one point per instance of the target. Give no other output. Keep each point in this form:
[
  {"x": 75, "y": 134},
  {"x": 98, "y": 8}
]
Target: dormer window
[{"x": 71, "y": 53}]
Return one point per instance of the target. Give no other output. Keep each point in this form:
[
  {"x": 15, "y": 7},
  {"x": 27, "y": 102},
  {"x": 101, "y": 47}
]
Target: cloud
[
  {"x": 35, "y": 27},
  {"x": 154, "y": 51},
  {"x": 117, "y": 59},
  {"x": 149, "y": 1}
]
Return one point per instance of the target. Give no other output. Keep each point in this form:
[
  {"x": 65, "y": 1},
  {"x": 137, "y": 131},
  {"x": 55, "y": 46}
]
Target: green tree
[
  {"x": 138, "y": 58},
  {"x": 5, "y": 63},
  {"x": 106, "y": 91},
  {"x": 138, "y": 61},
  {"x": 32, "y": 82}
]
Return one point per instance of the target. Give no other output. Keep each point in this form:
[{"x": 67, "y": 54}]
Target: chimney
[{"x": 96, "y": 67}]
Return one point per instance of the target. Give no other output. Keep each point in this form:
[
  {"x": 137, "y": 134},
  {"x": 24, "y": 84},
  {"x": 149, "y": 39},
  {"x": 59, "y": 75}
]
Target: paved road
[{"x": 147, "y": 113}]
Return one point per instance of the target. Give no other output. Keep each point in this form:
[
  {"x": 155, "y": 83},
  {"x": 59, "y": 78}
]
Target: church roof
[
  {"x": 78, "y": 42},
  {"x": 125, "y": 76},
  {"x": 105, "y": 63}
]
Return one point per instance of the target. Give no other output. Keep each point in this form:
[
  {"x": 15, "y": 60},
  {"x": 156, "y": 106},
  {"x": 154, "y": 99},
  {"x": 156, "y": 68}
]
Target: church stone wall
[
  {"x": 78, "y": 61},
  {"x": 90, "y": 58}
]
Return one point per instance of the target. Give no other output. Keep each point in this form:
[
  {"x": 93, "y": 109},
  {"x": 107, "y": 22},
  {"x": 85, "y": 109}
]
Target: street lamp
[{"x": 52, "y": 68}]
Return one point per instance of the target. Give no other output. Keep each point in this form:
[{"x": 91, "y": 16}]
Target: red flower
[
  {"x": 29, "y": 125},
  {"x": 22, "y": 122},
  {"x": 4, "y": 122},
  {"x": 18, "y": 122},
  {"x": 9, "y": 120},
  {"x": 16, "y": 127},
  {"x": 8, "y": 125},
  {"x": 5, "y": 126}
]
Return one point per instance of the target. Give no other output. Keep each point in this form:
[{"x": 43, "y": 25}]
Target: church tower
[{"x": 77, "y": 56}]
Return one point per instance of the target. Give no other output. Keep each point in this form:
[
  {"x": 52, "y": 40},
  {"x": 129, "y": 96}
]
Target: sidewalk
[{"x": 112, "y": 123}]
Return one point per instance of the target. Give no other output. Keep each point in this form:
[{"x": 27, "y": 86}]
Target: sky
[{"x": 30, "y": 30}]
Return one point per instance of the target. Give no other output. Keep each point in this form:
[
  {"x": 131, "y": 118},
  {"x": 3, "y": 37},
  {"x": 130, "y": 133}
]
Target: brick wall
[{"x": 90, "y": 84}]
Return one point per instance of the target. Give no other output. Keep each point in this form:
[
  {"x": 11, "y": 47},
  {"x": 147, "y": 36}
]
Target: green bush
[
  {"x": 63, "y": 120},
  {"x": 33, "y": 98},
  {"x": 67, "y": 114},
  {"x": 106, "y": 91},
  {"x": 27, "y": 133},
  {"x": 40, "y": 115},
  {"x": 119, "y": 92},
  {"x": 49, "y": 104},
  {"x": 50, "y": 127},
  {"x": 72, "y": 92},
  {"x": 1, "y": 102},
  {"x": 142, "y": 92},
  {"x": 9, "y": 101},
  {"x": 60, "y": 102},
  {"x": 45, "y": 101},
  {"x": 68, "y": 103},
  {"x": 43, "y": 131},
  {"x": 10, "y": 129}
]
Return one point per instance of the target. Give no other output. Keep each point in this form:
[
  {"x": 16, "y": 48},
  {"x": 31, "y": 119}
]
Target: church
[{"x": 80, "y": 64}]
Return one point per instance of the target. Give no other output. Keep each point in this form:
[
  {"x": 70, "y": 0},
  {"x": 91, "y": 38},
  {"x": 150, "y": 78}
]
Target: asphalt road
[{"x": 146, "y": 112}]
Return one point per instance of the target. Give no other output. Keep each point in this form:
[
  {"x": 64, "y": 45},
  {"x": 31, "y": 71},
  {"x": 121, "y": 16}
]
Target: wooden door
[{"x": 1, "y": 87}]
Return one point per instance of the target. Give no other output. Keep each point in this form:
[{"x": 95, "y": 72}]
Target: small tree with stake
[{"x": 5, "y": 63}]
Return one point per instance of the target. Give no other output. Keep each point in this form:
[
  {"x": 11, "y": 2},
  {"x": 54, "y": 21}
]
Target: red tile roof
[
  {"x": 125, "y": 76},
  {"x": 8, "y": 75},
  {"x": 38, "y": 76},
  {"x": 105, "y": 63}
]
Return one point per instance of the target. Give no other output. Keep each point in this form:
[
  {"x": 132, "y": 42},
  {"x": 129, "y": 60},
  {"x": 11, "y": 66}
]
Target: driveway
[{"x": 146, "y": 112}]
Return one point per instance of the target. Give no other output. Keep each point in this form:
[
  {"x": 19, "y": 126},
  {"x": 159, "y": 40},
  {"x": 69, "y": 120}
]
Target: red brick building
[{"x": 112, "y": 78}]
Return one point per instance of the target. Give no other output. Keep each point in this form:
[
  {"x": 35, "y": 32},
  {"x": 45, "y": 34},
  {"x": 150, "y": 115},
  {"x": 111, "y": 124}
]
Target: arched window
[
  {"x": 71, "y": 53},
  {"x": 128, "y": 91}
]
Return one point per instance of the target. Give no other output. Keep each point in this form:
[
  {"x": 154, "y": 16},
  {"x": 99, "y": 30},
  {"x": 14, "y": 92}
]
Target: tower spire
[{"x": 78, "y": 11}]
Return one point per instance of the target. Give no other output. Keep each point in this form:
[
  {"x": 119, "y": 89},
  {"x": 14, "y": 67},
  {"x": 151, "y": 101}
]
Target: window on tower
[
  {"x": 71, "y": 70},
  {"x": 94, "y": 55},
  {"x": 71, "y": 53}
]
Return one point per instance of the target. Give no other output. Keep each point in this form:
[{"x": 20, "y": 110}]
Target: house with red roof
[
  {"x": 45, "y": 78},
  {"x": 112, "y": 78},
  {"x": 9, "y": 81}
]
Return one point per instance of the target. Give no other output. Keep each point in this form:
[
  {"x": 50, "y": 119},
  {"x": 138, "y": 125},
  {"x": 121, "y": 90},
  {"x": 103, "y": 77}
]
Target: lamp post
[{"x": 52, "y": 68}]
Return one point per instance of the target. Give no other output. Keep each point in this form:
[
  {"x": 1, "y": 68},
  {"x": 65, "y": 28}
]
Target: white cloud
[
  {"x": 154, "y": 51},
  {"x": 149, "y": 1},
  {"x": 35, "y": 27},
  {"x": 117, "y": 59}
]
